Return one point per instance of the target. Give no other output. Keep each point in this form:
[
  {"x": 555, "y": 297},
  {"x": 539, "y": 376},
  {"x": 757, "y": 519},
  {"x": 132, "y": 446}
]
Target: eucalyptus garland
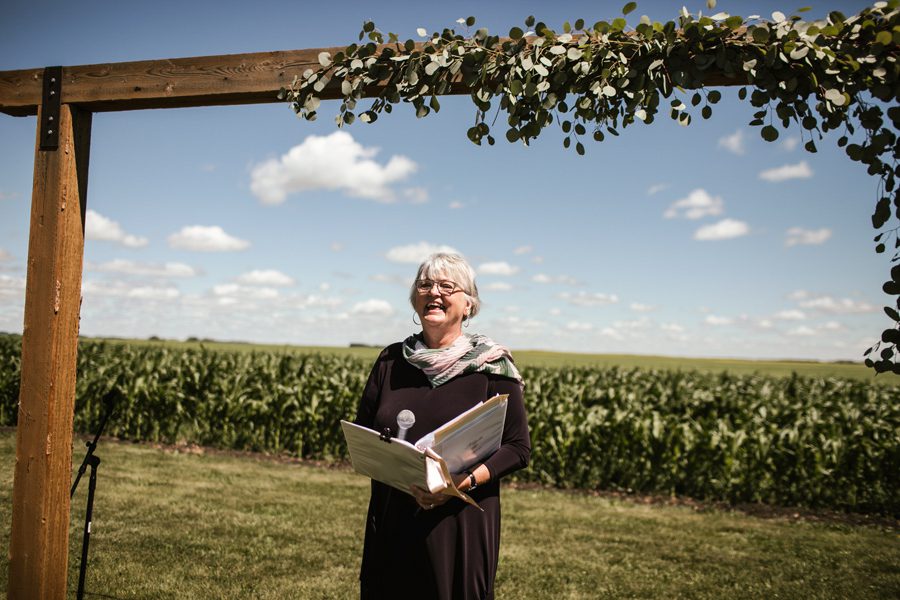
[{"x": 837, "y": 74}]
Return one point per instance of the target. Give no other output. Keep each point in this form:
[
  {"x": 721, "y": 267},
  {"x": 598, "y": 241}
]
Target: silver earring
[
  {"x": 468, "y": 320},
  {"x": 414, "y": 320}
]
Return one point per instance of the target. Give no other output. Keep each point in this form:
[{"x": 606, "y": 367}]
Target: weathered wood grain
[
  {"x": 182, "y": 82},
  {"x": 43, "y": 473}
]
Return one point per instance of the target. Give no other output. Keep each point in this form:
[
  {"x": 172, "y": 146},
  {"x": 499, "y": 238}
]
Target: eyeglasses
[{"x": 445, "y": 286}]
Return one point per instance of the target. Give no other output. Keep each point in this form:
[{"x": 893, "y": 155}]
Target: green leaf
[
  {"x": 470, "y": 21},
  {"x": 885, "y": 38},
  {"x": 760, "y": 35},
  {"x": 629, "y": 7},
  {"x": 769, "y": 133},
  {"x": 579, "y": 148},
  {"x": 516, "y": 33},
  {"x": 512, "y": 134},
  {"x": 529, "y": 21},
  {"x": 893, "y": 314},
  {"x": 579, "y": 24},
  {"x": 714, "y": 96}
]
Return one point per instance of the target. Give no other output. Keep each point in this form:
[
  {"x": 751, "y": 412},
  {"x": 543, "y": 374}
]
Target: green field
[
  {"x": 544, "y": 358},
  {"x": 194, "y": 524}
]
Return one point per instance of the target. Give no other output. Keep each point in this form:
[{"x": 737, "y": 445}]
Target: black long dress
[{"x": 451, "y": 551}]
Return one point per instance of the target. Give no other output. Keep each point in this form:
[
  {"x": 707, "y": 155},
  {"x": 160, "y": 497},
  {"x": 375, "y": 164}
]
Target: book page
[
  {"x": 398, "y": 464},
  {"x": 471, "y": 437}
]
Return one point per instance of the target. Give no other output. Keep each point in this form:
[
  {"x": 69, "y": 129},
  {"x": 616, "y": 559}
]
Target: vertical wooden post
[{"x": 39, "y": 541}]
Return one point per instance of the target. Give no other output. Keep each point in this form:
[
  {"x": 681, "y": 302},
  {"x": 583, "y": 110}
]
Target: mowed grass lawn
[{"x": 171, "y": 524}]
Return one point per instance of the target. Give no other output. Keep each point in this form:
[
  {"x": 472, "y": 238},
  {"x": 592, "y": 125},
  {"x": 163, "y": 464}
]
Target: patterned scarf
[{"x": 469, "y": 353}]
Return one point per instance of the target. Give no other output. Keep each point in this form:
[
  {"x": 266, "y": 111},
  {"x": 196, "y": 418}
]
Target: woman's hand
[{"x": 428, "y": 501}]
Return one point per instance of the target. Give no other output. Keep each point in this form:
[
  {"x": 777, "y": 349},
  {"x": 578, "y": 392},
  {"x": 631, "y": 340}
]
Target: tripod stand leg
[{"x": 94, "y": 462}]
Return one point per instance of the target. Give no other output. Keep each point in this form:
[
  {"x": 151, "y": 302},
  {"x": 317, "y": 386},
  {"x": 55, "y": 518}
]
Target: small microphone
[{"x": 405, "y": 420}]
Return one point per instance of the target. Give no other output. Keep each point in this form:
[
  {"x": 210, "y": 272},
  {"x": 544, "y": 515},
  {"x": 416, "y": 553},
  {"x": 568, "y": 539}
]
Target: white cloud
[
  {"x": 498, "y": 286},
  {"x": 523, "y": 250},
  {"x": 234, "y": 290},
  {"x": 633, "y": 324},
  {"x": 456, "y": 204},
  {"x": 208, "y": 167},
  {"x": 790, "y": 315},
  {"x": 832, "y": 326},
  {"x": 656, "y": 188},
  {"x": 589, "y": 299},
  {"x": 672, "y": 328},
  {"x": 147, "y": 292},
  {"x": 803, "y": 330},
  {"x": 416, "y": 253},
  {"x": 516, "y": 325},
  {"x": 497, "y": 268},
  {"x": 544, "y": 278},
  {"x": 718, "y": 321},
  {"x": 638, "y": 307},
  {"x": 798, "y": 235},
  {"x": 699, "y": 203},
  {"x": 201, "y": 238},
  {"x": 799, "y": 171},
  {"x": 130, "y": 267},
  {"x": 838, "y": 306},
  {"x": 416, "y": 195},
  {"x": 98, "y": 227},
  {"x": 723, "y": 230},
  {"x": 790, "y": 143},
  {"x": 579, "y": 326},
  {"x": 12, "y": 287},
  {"x": 265, "y": 277},
  {"x": 798, "y": 295},
  {"x": 8, "y": 196},
  {"x": 121, "y": 289},
  {"x": 373, "y": 307},
  {"x": 332, "y": 162},
  {"x": 336, "y": 246},
  {"x": 4, "y": 255},
  {"x": 734, "y": 143}
]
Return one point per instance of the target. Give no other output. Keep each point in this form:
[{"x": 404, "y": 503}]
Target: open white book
[{"x": 455, "y": 446}]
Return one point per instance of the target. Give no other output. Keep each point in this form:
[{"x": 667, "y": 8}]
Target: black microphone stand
[{"x": 90, "y": 459}]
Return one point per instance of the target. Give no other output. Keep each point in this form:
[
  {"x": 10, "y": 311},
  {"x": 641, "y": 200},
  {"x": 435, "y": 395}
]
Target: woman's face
[{"x": 439, "y": 310}]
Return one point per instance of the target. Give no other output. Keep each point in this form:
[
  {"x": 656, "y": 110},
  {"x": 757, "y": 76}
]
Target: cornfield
[{"x": 791, "y": 441}]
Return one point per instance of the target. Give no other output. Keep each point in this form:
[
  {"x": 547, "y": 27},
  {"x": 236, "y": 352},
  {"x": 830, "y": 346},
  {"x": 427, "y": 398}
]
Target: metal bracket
[{"x": 50, "y": 102}]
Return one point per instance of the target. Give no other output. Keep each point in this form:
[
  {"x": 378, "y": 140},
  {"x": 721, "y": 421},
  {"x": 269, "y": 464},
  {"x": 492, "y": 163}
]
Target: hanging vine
[{"x": 838, "y": 74}]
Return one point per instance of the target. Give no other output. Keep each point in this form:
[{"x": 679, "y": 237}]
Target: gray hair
[{"x": 454, "y": 267}]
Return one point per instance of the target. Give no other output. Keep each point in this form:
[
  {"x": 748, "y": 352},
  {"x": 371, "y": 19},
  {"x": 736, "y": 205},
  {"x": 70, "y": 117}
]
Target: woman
[{"x": 432, "y": 545}]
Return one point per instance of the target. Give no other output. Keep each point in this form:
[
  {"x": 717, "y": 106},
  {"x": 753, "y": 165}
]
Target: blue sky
[{"x": 245, "y": 223}]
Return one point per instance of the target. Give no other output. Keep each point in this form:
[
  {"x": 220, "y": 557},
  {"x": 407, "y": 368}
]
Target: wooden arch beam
[{"x": 183, "y": 82}]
